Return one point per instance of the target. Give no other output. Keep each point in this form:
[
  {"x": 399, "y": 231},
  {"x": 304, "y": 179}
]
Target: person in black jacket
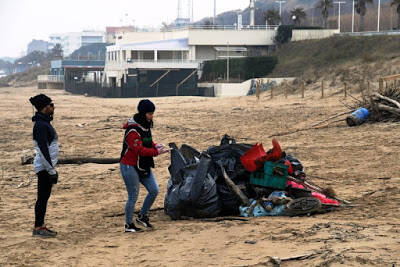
[{"x": 46, "y": 146}]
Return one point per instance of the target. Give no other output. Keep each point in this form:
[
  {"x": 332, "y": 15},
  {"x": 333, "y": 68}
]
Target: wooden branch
[
  {"x": 316, "y": 188},
  {"x": 387, "y": 99},
  {"x": 235, "y": 189},
  {"x": 394, "y": 111},
  {"x": 332, "y": 117},
  {"x": 79, "y": 160},
  {"x": 303, "y": 129},
  {"x": 82, "y": 160},
  {"x": 300, "y": 257},
  {"x": 220, "y": 219}
]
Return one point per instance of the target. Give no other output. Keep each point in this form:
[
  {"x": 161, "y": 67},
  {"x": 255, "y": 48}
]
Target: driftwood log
[
  {"x": 25, "y": 160},
  {"x": 383, "y": 107},
  {"x": 397, "y": 104}
]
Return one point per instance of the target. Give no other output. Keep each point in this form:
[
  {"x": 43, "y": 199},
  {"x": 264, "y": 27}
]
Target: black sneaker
[
  {"x": 44, "y": 232},
  {"x": 144, "y": 220},
  {"x": 131, "y": 228}
]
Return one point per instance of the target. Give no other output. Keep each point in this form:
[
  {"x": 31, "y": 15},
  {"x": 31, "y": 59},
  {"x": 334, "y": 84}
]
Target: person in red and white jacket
[{"x": 136, "y": 161}]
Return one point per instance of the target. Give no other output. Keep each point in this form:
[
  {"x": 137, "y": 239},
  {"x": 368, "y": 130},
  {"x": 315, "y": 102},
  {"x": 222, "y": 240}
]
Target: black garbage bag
[
  {"x": 228, "y": 156},
  {"x": 172, "y": 204},
  {"x": 191, "y": 190},
  {"x": 229, "y": 202}
]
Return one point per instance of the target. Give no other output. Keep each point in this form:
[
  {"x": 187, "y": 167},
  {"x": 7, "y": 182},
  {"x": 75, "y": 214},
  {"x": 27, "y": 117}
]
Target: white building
[
  {"x": 75, "y": 40},
  {"x": 184, "y": 48}
]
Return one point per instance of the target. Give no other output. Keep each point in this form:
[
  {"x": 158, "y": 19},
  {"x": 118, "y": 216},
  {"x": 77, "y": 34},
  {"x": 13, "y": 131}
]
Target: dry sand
[{"x": 87, "y": 204}]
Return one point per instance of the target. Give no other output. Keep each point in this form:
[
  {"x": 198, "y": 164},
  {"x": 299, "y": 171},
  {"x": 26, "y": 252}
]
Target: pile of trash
[
  {"x": 383, "y": 106},
  {"x": 241, "y": 179}
]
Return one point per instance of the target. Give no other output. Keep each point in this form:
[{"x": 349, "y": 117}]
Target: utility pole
[
  {"x": 227, "y": 63},
  {"x": 352, "y": 19},
  {"x": 280, "y": 9},
  {"x": 379, "y": 13},
  {"x": 215, "y": 11},
  {"x": 338, "y": 2}
]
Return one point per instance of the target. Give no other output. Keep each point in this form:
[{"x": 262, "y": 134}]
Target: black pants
[{"x": 43, "y": 194}]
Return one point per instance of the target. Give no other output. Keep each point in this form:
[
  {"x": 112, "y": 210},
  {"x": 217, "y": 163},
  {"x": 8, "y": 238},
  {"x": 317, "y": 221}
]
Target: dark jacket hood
[{"x": 41, "y": 117}]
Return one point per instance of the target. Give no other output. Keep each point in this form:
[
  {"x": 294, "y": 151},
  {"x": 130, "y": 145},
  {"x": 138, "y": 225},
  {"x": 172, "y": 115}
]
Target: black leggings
[{"x": 43, "y": 194}]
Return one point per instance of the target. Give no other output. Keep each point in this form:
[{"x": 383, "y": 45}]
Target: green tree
[
  {"x": 325, "y": 5},
  {"x": 397, "y": 3},
  {"x": 361, "y": 9},
  {"x": 272, "y": 17},
  {"x": 297, "y": 15},
  {"x": 56, "y": 52}
]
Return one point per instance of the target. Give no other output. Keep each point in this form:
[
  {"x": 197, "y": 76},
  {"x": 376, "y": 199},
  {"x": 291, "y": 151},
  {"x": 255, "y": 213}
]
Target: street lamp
[
  {"x": 339, "y": 12},
  {"x": 280, "y": 8},
  {"x": 352, "y": 19},
  {"x": 379, "y": 13}
]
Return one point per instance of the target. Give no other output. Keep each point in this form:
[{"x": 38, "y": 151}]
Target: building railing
[
  {"x": 221, "y": 27},
  {"x": 145, "y": 63},
  {"x": 163, "y": 61},
  {"x": 50, "y": 78}
]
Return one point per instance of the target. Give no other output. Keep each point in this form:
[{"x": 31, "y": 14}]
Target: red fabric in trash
[
  {"x": 324, "y": 199},
  {"x": 252, "y": 159},
  {"x": 290, "y": 170},
  {"x": 294, "y": 184}
]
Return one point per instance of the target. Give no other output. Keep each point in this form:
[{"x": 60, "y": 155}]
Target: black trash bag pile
[
  {"x": 197, "y": 188},
  {"x": 191, "y": 190}
]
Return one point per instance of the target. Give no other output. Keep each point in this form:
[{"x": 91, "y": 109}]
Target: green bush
[{"x": 245, "y": 68}]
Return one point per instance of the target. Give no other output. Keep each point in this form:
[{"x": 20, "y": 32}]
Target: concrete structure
[
  {"x": 38, "y": 45},
  {"x": 239, "y": 89},
  {"x": 301, "y": 35},
  {"x": 74, "y": 40},
  {"x": 50, "y": 81}
]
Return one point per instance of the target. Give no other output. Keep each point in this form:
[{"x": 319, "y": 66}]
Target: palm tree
[
  {"x": 397, "y": 3},
  {"x": 298, "y": 14},
  {"x": 324, "y": 5},
  {"x": 272, "y": 17},
  {"x": 361, "y": 9}
]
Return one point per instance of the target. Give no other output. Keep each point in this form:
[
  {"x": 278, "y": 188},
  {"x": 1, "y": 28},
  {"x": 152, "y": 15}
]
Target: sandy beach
[{"x": 86, "y": 207}]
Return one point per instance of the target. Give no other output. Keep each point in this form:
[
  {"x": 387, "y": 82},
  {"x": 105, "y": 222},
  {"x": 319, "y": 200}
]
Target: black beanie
[
  {"x": 40, "y": 101},
  {"x": 145, "y": 106}
]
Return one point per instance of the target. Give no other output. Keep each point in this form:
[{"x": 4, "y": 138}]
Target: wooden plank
[{"x": 391, "y": 77}]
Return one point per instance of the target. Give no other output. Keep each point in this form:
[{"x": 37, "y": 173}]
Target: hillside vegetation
[{"x": 339, "y": 56}]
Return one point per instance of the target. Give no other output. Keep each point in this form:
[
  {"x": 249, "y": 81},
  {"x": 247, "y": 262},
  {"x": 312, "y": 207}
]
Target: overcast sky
[{"x": 24, "y": 20}]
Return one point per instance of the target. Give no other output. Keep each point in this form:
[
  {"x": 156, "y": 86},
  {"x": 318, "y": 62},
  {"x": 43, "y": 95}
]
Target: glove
[
  {"x": 162, "y": 150},
  {"x": 159, "y": 145},
  {"x": 53, "y": 178}
]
